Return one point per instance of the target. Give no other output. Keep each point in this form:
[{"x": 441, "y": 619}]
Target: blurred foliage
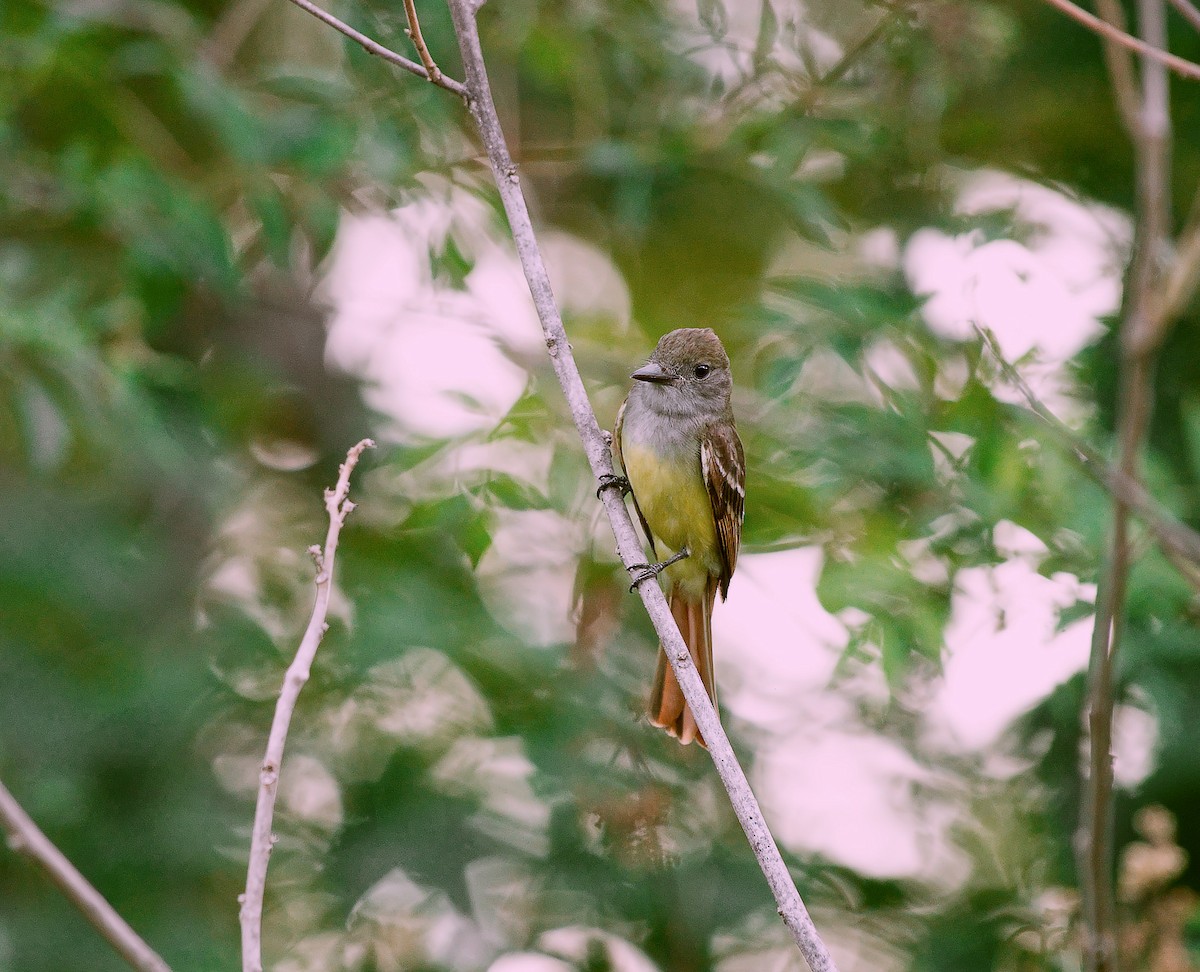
[{"x": 463, "y": 780}]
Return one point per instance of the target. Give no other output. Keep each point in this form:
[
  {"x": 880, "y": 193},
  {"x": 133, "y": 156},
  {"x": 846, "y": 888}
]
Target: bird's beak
[{"x": 654, "y": 373}]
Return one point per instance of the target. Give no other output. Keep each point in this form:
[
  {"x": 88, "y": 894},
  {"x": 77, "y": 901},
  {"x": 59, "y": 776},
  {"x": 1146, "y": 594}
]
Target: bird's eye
[{"x": 701, "y": 371}]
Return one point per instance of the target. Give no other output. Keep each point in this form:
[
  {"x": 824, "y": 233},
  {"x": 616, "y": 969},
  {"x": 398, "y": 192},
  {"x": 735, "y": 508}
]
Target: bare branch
[
  {"x": 1121, "y": 73},
  {"x": 25, "y": 837},
  {"x": 1181, "y": 66},
  {"x": 855, "y": 51},
  {"x": 1179, "y": 541},
  {"x": 373, "y": 47},
  {"x": 1143, "y": 329},
  {"x": 338, "y": 507},
  {"x": 414, "y": 32},
  {"x": 596, "y": 446},
  {"x": 1188, "y": 11}
]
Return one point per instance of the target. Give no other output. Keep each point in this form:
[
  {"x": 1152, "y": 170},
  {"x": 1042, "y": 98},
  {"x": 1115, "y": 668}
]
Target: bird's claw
[
  {"x": 646, "y": 571},
  {"x": 608, "y": 480}
]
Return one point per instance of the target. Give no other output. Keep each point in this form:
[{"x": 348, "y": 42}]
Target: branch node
[
  {"x": 378, "y": 50},
  {"x": 298, "y": 677}
]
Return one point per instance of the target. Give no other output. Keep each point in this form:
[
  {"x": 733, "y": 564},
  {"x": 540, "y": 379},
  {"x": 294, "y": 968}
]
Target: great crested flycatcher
[{"x": 680, "y": 450}]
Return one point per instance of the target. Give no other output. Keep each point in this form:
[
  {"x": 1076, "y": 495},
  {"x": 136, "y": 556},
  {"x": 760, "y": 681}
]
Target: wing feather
[{"x": 724, "y": 468}]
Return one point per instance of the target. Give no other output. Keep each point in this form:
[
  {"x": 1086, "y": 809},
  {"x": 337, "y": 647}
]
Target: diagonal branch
[
  {"x": 1188, "y": 11},
  {"x": 374, "y": 47},
  {"x": 261, "y": 840},
  {"x": 432, "y": 71},
  {"x": 596, "y": 446},
  {"x": 1181, "y": 66},
  {"x": 855, "y": 51},
  {"x": 1179, "y": 541},
  {"x": 25, "y": 836}
]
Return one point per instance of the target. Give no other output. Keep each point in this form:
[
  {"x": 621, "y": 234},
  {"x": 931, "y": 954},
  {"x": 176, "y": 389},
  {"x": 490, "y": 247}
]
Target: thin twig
[
  {"x": 1094, "y": 838},
  {"x": 373, "y": 47},
  {"x": 1121, "y": 72},
  {"x": 1143, "y": 329},
  {"x": 1181, "y": 66},
  {"x": 1183, "y": 278},
  {"x": 338, "y": 507},
  {"x": 817, "y": 88},
  {"x": 1188, "y": 11},
  {"x": 1148, "y": 324},
  {"x": 414, "y": 32},
  {"x": 1176, "y": 538},
  {"x": 596, "y": 446},
  {"x": 856, "y": 50},
  {"x": 25, "y": 837}
]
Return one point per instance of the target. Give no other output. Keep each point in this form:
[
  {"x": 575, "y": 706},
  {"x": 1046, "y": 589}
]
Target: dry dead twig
[
  {"x": 338, "y": 507},
  {"x": 374, "y": 47}
]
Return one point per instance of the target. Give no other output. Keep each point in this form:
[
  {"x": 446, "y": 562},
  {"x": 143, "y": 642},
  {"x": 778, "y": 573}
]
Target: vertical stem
[{"x": 1143, "y": 328}]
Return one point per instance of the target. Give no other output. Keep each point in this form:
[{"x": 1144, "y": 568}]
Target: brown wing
[
  {"x": 616, "y": 448},
  {"x": 724, "y": 468}
]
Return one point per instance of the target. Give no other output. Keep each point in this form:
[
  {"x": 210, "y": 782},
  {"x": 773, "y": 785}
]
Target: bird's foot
[
  {"x": 643, "y": 572},
  {"x": 607, "y": 481}
]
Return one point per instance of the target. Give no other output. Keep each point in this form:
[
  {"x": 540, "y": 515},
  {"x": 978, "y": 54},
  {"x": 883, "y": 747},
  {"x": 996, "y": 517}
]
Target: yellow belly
[{"x": 675, "y": 503}]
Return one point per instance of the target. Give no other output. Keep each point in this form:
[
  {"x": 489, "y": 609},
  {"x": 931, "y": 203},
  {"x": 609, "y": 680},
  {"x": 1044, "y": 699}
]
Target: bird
[{"x": 677, "y": 443}]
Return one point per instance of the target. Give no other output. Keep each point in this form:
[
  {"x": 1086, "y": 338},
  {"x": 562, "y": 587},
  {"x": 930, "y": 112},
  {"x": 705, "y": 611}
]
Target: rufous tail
[{"x": 668, "y": 710}]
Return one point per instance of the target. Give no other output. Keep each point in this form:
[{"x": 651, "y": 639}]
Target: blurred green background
[{"x": 232, "y": 244}]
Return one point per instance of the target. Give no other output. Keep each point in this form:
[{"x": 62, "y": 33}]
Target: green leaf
[{"x": 270, "y": 207}]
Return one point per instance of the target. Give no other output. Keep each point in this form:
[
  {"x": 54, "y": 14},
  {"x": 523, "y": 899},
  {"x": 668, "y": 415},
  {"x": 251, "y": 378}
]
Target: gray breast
[{"x": 666, "y": 431}]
